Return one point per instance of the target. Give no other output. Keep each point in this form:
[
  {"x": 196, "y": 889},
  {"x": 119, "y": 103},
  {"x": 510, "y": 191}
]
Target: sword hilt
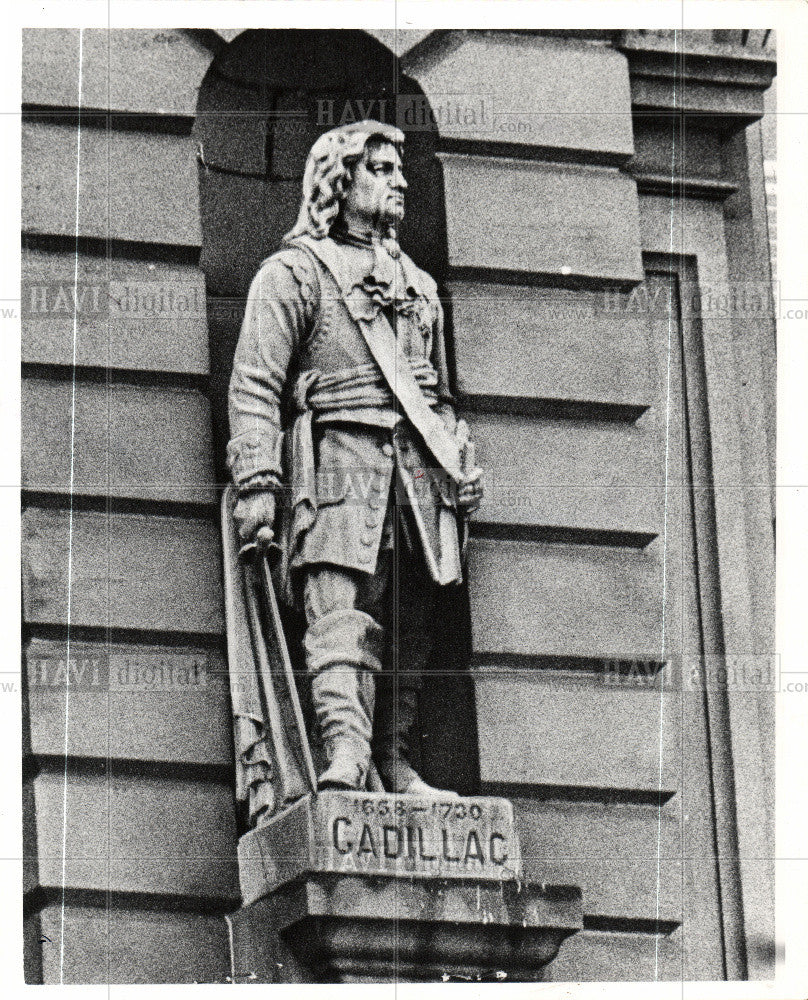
[{"x": 264, "y": 543}]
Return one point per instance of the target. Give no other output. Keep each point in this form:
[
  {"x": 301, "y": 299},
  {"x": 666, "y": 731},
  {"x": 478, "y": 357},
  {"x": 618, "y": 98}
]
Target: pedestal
[{"x": 367, "y": 887}]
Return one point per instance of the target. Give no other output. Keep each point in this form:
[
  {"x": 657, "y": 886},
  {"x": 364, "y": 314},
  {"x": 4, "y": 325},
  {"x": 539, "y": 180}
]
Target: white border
[{"x": 790, "y": 19}]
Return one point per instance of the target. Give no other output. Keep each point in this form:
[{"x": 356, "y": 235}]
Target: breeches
[{"x": 379, "y": 621}]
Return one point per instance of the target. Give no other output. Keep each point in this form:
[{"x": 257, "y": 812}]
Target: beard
[
  {"x": 379, "y": 210},
  {"x": 391, "y": 211}
]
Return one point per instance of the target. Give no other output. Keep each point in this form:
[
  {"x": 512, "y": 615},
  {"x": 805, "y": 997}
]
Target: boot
[
  {"x": 393, "y": 734},
  {"x": 343, "y": 696}
]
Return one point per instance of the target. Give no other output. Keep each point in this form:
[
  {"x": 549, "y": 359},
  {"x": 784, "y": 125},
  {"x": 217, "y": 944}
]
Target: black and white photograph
[{"x": 399, "y": 479}]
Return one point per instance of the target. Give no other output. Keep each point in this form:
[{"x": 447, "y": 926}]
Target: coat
[{"x": 312, "y": 417}]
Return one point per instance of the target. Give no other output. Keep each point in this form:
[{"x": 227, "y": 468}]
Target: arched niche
[{"x": 267, "y": 95}]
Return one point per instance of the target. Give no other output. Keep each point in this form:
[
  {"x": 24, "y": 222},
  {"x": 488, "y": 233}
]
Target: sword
[{"x": 259, "y": 552}]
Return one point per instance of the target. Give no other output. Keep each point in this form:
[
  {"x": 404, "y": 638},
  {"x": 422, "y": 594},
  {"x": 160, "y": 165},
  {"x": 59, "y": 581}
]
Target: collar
[
  {"x": 367, "y": 291},
  {"x": 352, "y": 238}
]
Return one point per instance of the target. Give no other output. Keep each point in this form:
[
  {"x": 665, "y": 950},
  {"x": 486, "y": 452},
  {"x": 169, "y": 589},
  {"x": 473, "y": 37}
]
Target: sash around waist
[
  {"x": 362, "y": 387},
  {"x": 318, "y": 396}
]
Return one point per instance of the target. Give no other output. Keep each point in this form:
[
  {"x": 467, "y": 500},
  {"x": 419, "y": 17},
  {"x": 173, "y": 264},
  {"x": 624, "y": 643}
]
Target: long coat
[{"x": 311, "y": 416}]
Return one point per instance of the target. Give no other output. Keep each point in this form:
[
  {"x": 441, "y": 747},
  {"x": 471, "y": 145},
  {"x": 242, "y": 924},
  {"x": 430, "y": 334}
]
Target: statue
[
  {"x": 349, "y": 465},
  {"x": 352, "y": 483}
]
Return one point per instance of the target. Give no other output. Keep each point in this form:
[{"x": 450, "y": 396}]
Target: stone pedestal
[{"x": 367, "y": 887}]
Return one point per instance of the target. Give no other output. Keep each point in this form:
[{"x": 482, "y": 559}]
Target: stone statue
[
  {"x": 352, "y": 485},
  {"x": 347, "y": 457}
]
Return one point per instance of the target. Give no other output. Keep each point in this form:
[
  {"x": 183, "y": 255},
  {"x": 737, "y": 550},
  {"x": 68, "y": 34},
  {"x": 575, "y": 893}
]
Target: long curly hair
[{"x": 329, "y": 171}]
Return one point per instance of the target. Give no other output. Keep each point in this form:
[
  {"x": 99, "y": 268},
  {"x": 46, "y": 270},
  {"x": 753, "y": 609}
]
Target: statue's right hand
[{"x": 255, "y": 512}]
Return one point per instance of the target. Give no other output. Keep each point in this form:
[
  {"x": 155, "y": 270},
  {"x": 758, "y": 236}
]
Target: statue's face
[{"x": 376, "y": 195}]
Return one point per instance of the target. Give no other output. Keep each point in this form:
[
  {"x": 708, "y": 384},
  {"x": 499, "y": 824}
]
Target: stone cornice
[
  {"x": 712, "y": 189},
  {"x": 671, "y": 73}
]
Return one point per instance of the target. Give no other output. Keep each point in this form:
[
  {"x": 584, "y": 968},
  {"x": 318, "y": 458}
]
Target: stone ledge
[
  {"x": 720, "y": 54},
  {"x": 384, "y": 928}
]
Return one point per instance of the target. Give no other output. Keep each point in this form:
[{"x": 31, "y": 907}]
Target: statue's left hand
[{"x": 470, "y": 493}]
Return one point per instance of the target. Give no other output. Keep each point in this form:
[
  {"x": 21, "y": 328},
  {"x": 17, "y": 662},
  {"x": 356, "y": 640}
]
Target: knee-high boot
[
  {"x": 343, "y": 697},
  {"x": 342, "y": 654},
  {"x": 394, "y": 733}
]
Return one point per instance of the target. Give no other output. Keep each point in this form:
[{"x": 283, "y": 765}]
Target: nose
[{"x": 399, "y": 181}]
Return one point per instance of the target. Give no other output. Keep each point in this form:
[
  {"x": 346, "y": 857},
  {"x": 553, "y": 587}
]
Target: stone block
[
  {"x": 129, "y": 571},
  {"x": 132, "y": 702},
  {"x": 561, "y": 729},
  {"x": 151, "y": 71},
  {"x": 141, "y": 442},
  {"x": 376, "y": 834},
  {"x": 549, "y": 93},
  {"x": 559, "y": 221},
  {"x": 111, "y": 336},
  {"x": 122, "y": 833},
  {"x": 603, "y": 956},
  {"x": 574, "y": 600},
  {"x": 123, "y": 943},
  {"x": 134, "y": 186},
  {"x": 581, "y": 474},
  {"x": 517, "y": 342}
]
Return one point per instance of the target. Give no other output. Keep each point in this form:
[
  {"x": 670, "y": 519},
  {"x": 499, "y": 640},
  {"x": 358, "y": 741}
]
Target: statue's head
[{"x": 353, "y": 171}]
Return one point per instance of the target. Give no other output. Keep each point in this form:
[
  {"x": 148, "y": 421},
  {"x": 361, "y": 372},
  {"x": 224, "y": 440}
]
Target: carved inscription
[{"x": 408, "y": 834}]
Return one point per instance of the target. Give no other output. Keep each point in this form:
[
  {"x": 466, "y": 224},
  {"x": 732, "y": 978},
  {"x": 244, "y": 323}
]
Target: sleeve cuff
[
  {"x": 251, "y": 458},
  {"x": 259, "y": 483}
]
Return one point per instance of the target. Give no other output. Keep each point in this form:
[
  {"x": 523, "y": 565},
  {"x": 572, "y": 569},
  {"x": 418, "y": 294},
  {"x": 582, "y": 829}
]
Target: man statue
[{"x": 345, "y": 448}]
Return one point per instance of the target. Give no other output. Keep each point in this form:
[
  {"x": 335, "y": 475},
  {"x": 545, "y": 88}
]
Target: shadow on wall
[{"x": 264, "y": 100}]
